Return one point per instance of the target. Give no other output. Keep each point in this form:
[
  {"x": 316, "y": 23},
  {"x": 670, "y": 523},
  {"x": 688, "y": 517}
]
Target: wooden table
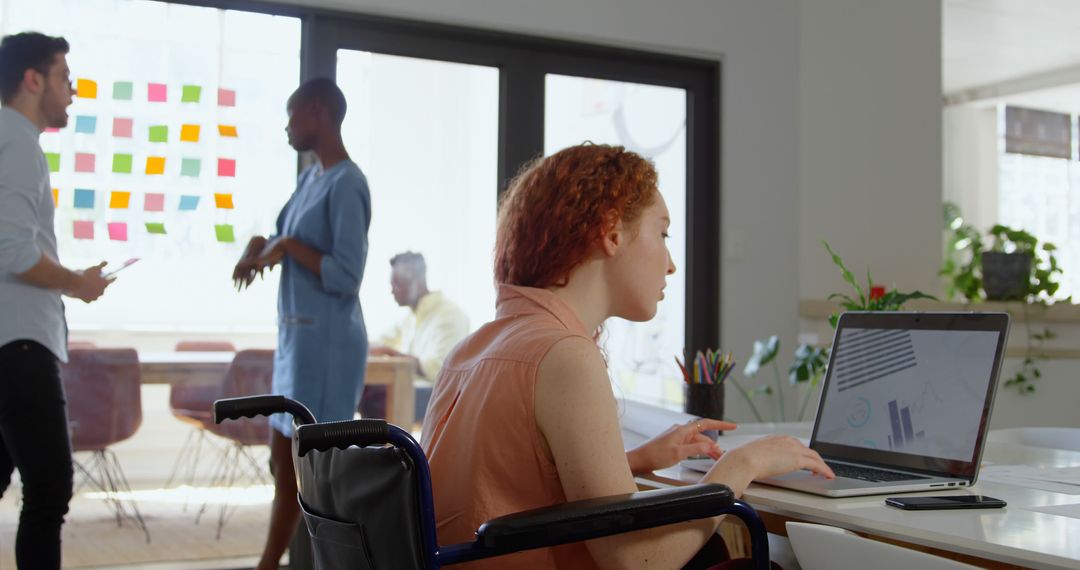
[{"x": 396, "y": 373}]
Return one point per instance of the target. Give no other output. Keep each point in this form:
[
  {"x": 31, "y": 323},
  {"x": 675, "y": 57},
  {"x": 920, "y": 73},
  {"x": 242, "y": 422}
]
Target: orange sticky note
[
  {"x": 86, "y": 88},
  {"x": 227, "y": 130},
  {"x": 223, "y": 201},
  {"x": 155, "y": 165},
  {"x": 119, "y": 200},
  {"x": 189, "y": 133},
  {"x": 55, "y": 198}
]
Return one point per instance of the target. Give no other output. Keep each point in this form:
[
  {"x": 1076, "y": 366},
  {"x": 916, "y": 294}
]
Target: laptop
[{"x": 905, "y": 403}]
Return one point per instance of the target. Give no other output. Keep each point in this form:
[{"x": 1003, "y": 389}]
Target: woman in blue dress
[{"x": 321, "y": 244}]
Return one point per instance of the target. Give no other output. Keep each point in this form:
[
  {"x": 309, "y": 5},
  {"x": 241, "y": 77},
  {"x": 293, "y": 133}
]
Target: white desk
[{"x": 994, "y": 538}]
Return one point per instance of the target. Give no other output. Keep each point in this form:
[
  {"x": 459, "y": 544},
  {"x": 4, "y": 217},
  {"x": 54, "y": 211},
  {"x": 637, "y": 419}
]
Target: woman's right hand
[
  {"x": 766, "y": 457},
  {"x": 246, "y": 268}
]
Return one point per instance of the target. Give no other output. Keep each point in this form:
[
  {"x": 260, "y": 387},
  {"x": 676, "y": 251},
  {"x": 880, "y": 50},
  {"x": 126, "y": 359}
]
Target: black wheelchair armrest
[{"x": 605, "y": 516}]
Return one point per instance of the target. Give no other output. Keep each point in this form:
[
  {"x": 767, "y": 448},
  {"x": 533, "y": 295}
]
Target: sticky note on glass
[
  {"x": 52, "y": 130},
  {"x": 84, "y": 199},
  {"x": 155, "y": 228},
  {"x": 118, "y": 231},
  {"x": 189, "y": 133},
  {"x": 154, "y": 202},
  {"x": 191, "y": 94},
  {"x": 226, "y": 167},
  {"x": 190, "y": 167},
  {"x": 85, "y": 124},
  {"x": 121, "y": 163},
  {"x": 227, "y": 130},
  {"x": 121, "y": 127},
  {"x": 84, "y": 162},
  {"x": 226, "y": 98},
  {"x": 155, "y": 165},
  {"x": 224, "y": 233},
  {"x": 83, "y": 229},
  {"x": 55, "y": 198},
  {"x": 119, "y": 200},
  {"x": 159, "y": 133},
  {"x": 223, "y": 201},
  {"x": 188, "y": 203},
  {"x": 157, "y": 92},
  {"x": 122, "y": 90},
  {"x": 86, "y": 88},
  {"x": 53, "y": 158}
]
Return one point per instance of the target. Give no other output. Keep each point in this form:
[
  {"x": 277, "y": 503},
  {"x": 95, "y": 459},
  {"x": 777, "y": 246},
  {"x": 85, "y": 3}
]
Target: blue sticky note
[
  {"x": 84, "y": 199},
  {"x": 189, "y": 202},
  {"x": 85, "y": 124}
]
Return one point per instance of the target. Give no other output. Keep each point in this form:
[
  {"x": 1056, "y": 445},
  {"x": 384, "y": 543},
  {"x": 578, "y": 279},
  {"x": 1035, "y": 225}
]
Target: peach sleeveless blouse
[{"x": 480, "y": 431}]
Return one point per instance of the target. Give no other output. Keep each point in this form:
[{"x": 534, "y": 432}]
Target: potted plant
[{"x": 1016, "y": 268}]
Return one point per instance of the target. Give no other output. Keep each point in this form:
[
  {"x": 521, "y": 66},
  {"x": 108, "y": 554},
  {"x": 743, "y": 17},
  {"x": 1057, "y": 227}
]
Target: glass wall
[
  {"x": 425, "y": 132},
  {"x": 649, "y": 120},
  {"x": 175, "y": 153}
]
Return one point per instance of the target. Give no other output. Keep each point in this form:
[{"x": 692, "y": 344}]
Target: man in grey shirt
[{"x": 35, "y": 89}]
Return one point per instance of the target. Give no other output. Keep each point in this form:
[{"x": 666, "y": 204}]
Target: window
[{"x": 174, "y": 153}]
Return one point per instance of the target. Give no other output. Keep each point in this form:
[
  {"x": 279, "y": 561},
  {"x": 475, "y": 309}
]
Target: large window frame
[{"x": 523, "y": 62}]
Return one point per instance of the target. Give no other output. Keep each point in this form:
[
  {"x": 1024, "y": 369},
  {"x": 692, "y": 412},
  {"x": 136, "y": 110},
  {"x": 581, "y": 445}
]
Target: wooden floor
[{"x": 92, "y": 539}]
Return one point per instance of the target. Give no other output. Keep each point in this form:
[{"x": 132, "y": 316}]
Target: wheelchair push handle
[
  {"x": 264, "y": 405},
  {"x": 321, "y": 437}
]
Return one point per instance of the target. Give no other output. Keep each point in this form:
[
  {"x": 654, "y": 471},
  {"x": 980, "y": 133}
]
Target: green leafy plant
[
  {"x": 863, "y": 300},
  {"x": 962, "y": 270},
  {"x": 807, "y": 367}
]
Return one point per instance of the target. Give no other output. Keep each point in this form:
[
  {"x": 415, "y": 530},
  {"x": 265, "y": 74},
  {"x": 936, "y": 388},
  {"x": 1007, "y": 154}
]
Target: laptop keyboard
[{"x": 870, "y": 474}]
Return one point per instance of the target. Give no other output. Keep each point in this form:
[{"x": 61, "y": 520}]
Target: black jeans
[{"x": 34, "y": 439}]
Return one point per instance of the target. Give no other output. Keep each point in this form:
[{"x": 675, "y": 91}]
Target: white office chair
[
  {"x": 1052, "y": 437},
  {"x": 820, "y": 547}
]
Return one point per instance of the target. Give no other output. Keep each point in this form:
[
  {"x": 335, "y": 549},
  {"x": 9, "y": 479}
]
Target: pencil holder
[{"x": 705, "y": 400}]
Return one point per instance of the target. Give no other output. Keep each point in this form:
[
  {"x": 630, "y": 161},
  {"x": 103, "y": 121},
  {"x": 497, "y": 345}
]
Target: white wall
[{"x": 831, "y": 128}]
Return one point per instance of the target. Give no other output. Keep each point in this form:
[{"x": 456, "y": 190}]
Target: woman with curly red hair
[{"x": 523, "y": 415}]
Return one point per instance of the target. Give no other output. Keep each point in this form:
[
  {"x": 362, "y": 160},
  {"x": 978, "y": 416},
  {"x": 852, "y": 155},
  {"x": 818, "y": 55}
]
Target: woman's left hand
[{"x": 675, "y": 444}]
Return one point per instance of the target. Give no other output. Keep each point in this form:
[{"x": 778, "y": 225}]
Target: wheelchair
[{"x": 365, "y": 492}]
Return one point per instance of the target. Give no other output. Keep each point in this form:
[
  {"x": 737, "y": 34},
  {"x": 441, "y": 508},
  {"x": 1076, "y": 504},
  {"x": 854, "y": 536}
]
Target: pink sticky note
[
  {"x": 153, "y": 202},
  {"x": 118, "y": 231},
  {"x": 84, "y": 162},
  {"x": 157, "y": 93},
  {"x": 84, "y": 230},
  {"x": 226, "y": 167},
  {"x": 52, "y": 130},
  {"x": 226, "y": 98},
  {"x": 121, "y": 127}
]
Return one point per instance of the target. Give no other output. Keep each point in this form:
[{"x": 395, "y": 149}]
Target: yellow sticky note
[
  {"x": 223, "y": 201},
  {"x": 227, "y": 130},
  {"x": 86, "y": 88},
  {"x": 189, "y": 133},
  {"x": 155, "y": 165},
  {"x": 119, "y": 200},
  {"x": 56, "y": 198}
]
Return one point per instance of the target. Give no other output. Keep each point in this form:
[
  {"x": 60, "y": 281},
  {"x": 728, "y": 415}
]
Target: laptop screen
[{"x": 916, "y": 389}]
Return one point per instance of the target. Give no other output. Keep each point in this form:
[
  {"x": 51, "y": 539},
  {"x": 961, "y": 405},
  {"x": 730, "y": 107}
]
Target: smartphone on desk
[{"x": 945, "y": 502}]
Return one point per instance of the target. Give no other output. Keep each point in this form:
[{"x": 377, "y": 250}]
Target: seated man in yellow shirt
[{"x": 432, "y": 328}]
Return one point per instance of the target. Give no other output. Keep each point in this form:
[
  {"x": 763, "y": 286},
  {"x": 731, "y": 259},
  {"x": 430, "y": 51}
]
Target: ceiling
[{"x": 1024, "y": 52}]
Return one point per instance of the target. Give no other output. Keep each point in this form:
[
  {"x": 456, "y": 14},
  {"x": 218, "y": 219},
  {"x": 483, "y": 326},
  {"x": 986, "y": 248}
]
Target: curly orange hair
[{"x": 558, "y": 207}]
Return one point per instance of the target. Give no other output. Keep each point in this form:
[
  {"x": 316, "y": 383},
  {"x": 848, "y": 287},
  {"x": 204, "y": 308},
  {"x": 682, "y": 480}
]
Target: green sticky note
[
  {"x": 190, "y": 167},
  {"x": 191, "y": 94},
  {"x": 121, "y": 90},
  {"x": 121, "y": 163},
  {"x": 224, "y": 233},
  {"x": 155, "y": 228},
  {"x": 159, "y": 133},
  {"x": 54, "y": 161}
]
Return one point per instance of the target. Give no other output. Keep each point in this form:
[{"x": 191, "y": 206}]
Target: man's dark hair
[
  {"x": 325, "y": 91},
  {"x": 28, "y": 50},
  {"x": 412, "y": 260}
]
